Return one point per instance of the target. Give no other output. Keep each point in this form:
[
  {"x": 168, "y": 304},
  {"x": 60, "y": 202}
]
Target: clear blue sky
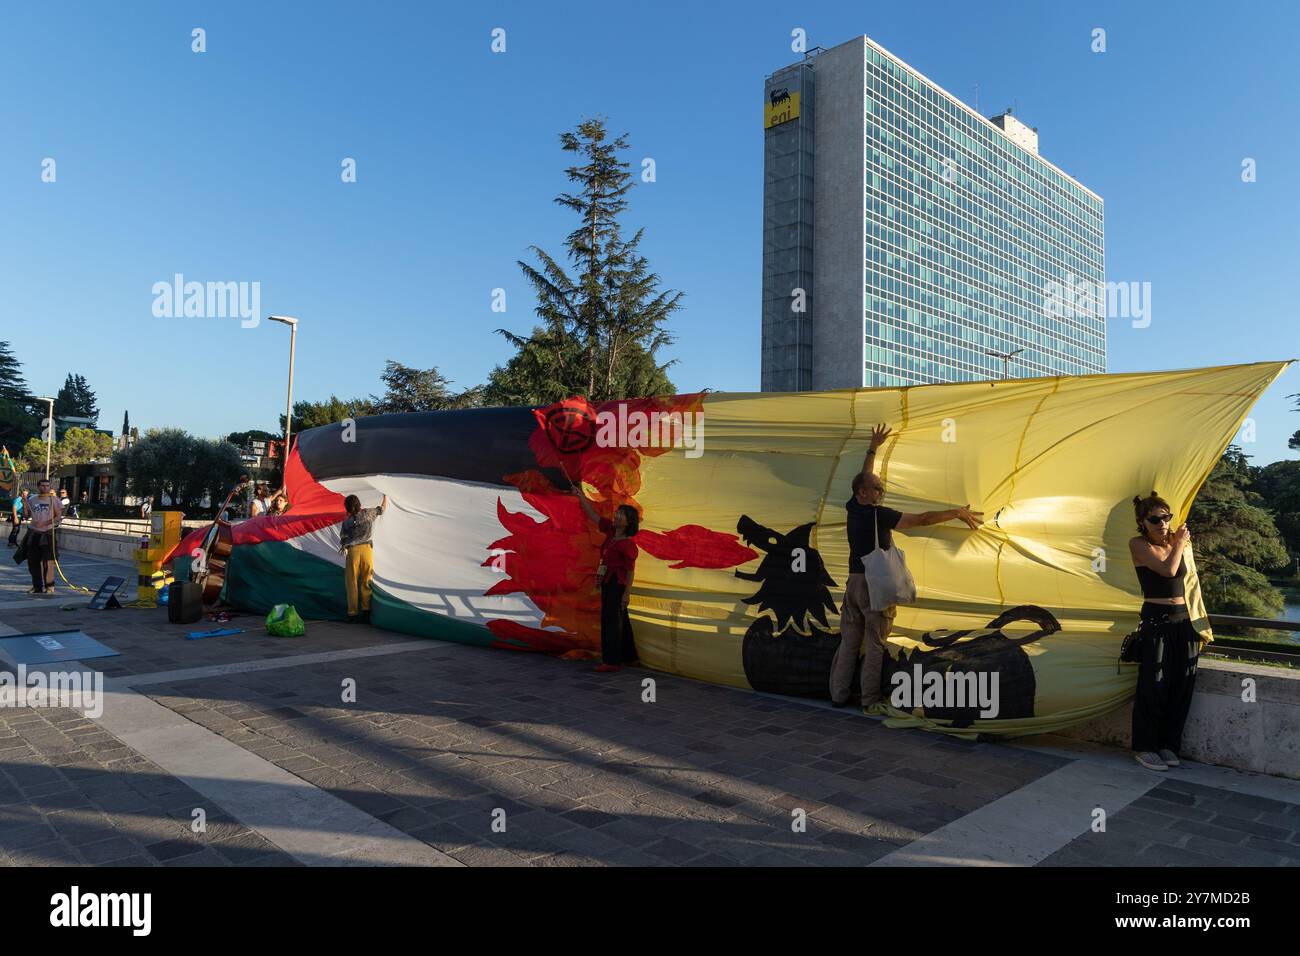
[{"x": 225, "y": 166}]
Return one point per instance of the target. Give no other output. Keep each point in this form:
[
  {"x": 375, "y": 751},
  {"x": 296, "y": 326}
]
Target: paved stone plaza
[{"x": 445, "y": 743}]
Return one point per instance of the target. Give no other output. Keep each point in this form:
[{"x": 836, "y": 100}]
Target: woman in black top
[{"x": 1170, "y": 645}]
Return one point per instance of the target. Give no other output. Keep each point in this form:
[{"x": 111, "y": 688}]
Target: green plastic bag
[{"x": 283, "y": 621}]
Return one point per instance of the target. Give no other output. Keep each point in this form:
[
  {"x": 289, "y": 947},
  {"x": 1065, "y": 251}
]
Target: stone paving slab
[
  {"x": 580, "y": 768},
  {"x": 434, "y": 746},
  {"x": 70, "y": 794},
  {"x": 1185, "y": 824}
]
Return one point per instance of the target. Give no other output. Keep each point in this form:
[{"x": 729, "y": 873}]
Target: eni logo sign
[{"x": 781, "y": 106}]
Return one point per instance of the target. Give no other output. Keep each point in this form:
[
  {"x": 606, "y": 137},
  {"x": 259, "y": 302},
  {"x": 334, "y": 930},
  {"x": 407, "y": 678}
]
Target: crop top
[{"x": 1156, "y": 585}]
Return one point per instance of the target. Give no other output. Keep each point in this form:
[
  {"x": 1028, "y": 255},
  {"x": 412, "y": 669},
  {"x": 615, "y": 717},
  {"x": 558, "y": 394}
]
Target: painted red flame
[{"x": 554, "y": 560}]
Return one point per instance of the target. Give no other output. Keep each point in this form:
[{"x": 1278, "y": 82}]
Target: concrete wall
[
  {"x": 113, "y": 547},
  {"x": 1222, "y": 728},
  {"x": 838, "y": 217}
]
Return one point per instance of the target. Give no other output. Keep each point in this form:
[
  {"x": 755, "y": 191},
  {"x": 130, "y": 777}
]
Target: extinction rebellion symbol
[{"x": 570, "y": 428}]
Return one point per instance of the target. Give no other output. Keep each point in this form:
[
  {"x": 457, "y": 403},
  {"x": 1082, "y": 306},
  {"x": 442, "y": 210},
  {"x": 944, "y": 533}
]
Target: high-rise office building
[{"x": 906, "y": 237}]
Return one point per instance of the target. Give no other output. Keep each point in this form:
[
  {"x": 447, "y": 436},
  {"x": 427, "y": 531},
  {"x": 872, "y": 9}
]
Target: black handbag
[
  {"x": 1130, "y": 649},
  {"x": 20, "y": 553}
]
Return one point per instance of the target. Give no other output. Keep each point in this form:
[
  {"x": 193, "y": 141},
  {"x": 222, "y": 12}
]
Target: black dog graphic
[
  {"x": 795, "y": 588},
  {"x": 993, "y": 653}
]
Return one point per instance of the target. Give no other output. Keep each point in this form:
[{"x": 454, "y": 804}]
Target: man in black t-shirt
[{"x": 862, "y": 629}]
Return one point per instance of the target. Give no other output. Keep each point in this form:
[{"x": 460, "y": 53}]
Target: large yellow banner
[{"x": 1053, "y": 462}]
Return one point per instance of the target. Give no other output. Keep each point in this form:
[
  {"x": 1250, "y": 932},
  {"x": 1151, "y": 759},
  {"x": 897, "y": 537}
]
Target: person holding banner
[
  {"x": 614, "y": 579},
  {"x": 861, "y": 628},
  {"x": 1170, "y": 645}
]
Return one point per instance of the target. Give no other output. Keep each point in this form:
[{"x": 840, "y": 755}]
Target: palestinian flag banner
[
  {"x": 8, "y": 476},
  {"x": 743, "y": 548}
]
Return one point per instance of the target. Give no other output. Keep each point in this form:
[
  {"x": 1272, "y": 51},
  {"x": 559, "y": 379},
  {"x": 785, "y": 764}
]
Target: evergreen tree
[
  {"x": 12, "y": 385},
  {"x": 419, "y": 390},
  {"x": 76, "y": 400},
  {"x": 126, "y": 423},
  {"x": 601, "y": 330},
  {"x": 17, "y": 422},
  {"x": 1236, "y": 542}
]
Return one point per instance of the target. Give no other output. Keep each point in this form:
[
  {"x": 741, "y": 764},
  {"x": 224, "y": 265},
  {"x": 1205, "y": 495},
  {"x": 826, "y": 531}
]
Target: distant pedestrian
[
  {"x": 15, "y": 517},
  {"x": 359, "y": 568}
]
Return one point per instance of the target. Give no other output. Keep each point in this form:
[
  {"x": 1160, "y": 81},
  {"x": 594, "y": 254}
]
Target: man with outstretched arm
[{"x": 860, "y": 627}]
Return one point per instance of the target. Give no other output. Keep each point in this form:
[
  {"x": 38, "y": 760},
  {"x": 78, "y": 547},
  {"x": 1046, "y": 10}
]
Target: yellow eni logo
[{"x": 781, "y": 106}]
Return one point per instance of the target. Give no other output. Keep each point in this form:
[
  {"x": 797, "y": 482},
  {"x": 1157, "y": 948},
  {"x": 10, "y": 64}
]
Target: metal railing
[
  {"x": 129, "y": 526},
  {"x": 1245, "y": 649}
]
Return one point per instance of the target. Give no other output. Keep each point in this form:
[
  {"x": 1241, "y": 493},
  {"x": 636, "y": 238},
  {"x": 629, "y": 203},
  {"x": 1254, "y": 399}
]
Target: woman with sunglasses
[{"x": 1169, "y": 643}]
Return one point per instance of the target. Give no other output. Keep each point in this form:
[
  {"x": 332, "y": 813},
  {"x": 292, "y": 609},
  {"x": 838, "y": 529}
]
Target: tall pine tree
[
  {"x": 76, "y": 400},
  {"x": 601, "y": 330},
  {"x": 17, "y": 423}
]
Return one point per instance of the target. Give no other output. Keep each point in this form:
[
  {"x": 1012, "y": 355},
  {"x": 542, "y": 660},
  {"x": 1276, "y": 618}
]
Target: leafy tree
[
  {"x": 76, "y": 400},
  {"x": 32, "y": 457},
  {"x": 81, "y": 445},
  {"x": 214, "y": 468},
  {"x": 419, "y": 390},
  {"x": 314, "y": 414},
  {"x": 185, "y": 468},
  {"x": 601, "y": 330},
  {"x": 244, "y": 439},
  {"x": 1236, "y": 542},
  {"x": 76, "y": 447}
]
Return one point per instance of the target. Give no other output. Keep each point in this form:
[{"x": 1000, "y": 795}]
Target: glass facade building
[{"x": 967, "y": 236}]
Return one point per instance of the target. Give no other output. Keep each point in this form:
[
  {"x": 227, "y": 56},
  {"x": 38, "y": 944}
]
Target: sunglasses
[{"x": 1159, "y": 519}]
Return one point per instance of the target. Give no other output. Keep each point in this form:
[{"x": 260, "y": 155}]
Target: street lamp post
[
  {"x": 49, "y": 435},
  {"x": 1004, "y": 356},
  {"x": 288, "y": 406}
]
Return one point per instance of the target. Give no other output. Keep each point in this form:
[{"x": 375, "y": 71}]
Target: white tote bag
[{"x": 888, "y": 580}]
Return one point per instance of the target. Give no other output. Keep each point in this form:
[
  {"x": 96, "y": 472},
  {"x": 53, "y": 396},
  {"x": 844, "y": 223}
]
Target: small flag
[{"x": 8, "y": 480}]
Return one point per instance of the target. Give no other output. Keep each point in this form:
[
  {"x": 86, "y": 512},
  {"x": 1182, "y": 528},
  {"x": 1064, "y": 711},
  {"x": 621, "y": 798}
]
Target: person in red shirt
[{"x": 614, "y": 579}]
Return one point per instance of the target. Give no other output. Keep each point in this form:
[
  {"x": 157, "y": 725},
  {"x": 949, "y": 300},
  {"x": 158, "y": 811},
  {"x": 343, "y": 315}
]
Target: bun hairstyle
[
  {"x": 633, "y": 520},
  {"x": 1144, "y": 506}
]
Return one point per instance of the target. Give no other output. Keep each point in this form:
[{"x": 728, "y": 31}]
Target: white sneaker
[
  {"x": 1170, "y": 758},
  {"x": 1150, "y": 760}
]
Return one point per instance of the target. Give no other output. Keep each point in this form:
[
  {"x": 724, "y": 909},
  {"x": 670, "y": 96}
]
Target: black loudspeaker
[{"x": 184, "y": 602}]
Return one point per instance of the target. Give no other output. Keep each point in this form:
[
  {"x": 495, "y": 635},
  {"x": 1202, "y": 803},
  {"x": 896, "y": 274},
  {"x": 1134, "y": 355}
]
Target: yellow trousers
[{"x": 357, "y": 572}]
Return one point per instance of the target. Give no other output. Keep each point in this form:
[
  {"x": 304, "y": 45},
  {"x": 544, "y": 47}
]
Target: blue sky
[{"x": 225, "y": 166}]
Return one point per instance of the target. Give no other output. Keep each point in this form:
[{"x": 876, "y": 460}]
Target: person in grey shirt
[{"x": 359, "y": 568}]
